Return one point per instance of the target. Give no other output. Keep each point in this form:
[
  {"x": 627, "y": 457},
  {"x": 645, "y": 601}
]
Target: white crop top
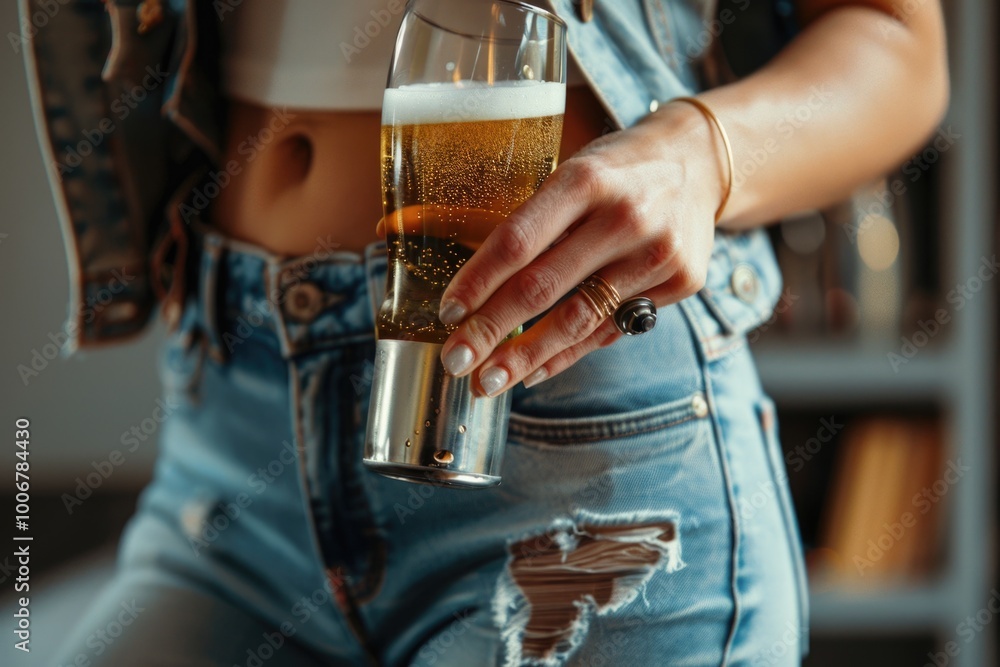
[{"x": 313, "y": 54}]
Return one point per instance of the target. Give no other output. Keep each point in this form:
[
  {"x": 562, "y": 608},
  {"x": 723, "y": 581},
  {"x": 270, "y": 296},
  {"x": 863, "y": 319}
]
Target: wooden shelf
[
  {"x": 904, "y": 608},
  {"x": 957, "y": 373},
  {"x": 845, "y": 374}
]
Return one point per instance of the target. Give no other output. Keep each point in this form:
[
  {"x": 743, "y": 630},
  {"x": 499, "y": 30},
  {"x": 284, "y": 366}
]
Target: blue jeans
[{"x": 643, "y": 518}]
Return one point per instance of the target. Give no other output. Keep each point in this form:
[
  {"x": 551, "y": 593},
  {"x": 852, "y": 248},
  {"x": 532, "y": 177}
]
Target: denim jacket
[{"x": 125, "y": 115}]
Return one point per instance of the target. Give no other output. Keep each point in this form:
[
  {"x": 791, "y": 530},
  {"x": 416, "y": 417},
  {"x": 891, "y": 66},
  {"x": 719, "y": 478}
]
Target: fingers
[
  {"x": 606, "y": 334},
  {"x": 517, "y": 273},
  {"x": 564, "y": 198},
  {"x": 572, "y": 321},
  {"x": 637, "y": 244},
  {"x": 535, "y": 289},
  {"x": 571, "y": 330},
  {"x": 539, "y": 286}
]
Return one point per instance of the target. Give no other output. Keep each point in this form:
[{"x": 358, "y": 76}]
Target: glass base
[{"x": 425, "y": 425}]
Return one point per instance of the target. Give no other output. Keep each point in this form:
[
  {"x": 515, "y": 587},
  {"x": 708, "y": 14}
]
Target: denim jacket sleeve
[
  {"x": 104, "y": 97},
  {"x": 124, "y": 115}
]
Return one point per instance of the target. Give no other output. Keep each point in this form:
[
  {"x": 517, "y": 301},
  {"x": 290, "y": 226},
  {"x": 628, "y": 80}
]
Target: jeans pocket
[
  {"x": 767, "y": 417},
  {"x": 595, "y": 431},
  {"x": 183, "y": 355}
]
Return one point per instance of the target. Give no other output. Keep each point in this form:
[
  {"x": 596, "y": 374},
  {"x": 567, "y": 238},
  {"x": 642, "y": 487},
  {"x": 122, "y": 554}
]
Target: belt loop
[
  {"x": 169, "y": 271},
  {"x": 172, "y": 257},
  {"x": 211, "y": 259},
  {"x": 275, "y": 295}
]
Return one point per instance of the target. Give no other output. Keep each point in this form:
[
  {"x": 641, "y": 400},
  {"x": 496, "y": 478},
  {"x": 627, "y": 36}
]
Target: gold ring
[{"x": 601, "y": 294}]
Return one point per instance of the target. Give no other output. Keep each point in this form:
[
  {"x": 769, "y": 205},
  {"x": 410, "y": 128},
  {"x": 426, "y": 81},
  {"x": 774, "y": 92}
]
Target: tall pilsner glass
[{"x": 471, "y": 126}]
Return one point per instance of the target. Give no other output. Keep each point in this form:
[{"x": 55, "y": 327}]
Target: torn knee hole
[{"x": 571, "y": 571}]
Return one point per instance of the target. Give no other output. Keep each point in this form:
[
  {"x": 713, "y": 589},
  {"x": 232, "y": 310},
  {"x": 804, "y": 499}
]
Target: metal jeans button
[
  {"x": 745, "y": 283},
  {"x": 303, "y": 302}
]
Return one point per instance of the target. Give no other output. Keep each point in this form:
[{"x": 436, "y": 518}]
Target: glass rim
[{"x": 523, "y": 6}]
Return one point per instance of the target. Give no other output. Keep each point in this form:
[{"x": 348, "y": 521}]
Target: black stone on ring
[{"x": 635, "y": 316}]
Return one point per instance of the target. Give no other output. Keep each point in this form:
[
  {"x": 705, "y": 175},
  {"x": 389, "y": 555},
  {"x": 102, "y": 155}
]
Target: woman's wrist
[
  {"x": 707, "y": 111},
  {"x": 685, "y": 131}
]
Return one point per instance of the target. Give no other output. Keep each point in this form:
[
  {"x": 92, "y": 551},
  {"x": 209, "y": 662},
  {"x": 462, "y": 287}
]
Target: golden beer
[{"x": 456, "y": 160}]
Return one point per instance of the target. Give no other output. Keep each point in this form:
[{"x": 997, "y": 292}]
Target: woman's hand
[
  {"x": 636, "y": 206},
  {"x": 861, "y": 87}
]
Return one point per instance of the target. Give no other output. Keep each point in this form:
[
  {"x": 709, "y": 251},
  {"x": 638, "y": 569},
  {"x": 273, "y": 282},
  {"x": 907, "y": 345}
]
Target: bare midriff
[{"x": 308, "y": 180}]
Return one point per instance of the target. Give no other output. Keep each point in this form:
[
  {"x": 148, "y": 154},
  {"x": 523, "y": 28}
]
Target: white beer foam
[{"x": 469, "y": 101}]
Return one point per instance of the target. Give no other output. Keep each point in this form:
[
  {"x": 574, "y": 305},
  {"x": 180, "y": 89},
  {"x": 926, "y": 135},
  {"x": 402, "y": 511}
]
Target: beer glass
[{"x": 471, "y": 126}]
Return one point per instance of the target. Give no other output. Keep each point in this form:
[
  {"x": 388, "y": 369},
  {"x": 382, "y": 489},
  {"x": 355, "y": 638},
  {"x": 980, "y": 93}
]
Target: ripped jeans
[{"x": 643, "y": 518}]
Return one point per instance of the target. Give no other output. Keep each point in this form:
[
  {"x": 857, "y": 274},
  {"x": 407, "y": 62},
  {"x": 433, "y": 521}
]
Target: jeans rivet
[
  {"x": 699, "y": 405},
  {"x": 745, "y": 283},
  {"x": 303, "y": 302}
]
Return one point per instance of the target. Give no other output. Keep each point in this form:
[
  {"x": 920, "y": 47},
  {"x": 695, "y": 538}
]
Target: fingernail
[
  {"x": 493, "y": 380},
  {"x": 451, "y": 312},
  {"x": 458, "y": 360},
  {"x": 536, "y": 377}
]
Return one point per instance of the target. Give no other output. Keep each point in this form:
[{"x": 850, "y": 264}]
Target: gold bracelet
[{"x": 704, "y": 108}]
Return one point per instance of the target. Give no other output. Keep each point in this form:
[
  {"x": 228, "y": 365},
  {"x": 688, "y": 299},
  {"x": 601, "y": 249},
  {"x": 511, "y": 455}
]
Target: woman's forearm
[
  {"x": 856, "y": 92},
  {"x": 850, "y": 98}
]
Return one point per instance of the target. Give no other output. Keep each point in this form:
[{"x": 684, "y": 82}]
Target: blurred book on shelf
[
  {"x": 881, "y": 521},
  {"x": 864, "y": 269}
]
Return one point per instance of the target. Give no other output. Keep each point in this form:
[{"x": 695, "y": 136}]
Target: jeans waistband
[{"x": 296, "y": 304}]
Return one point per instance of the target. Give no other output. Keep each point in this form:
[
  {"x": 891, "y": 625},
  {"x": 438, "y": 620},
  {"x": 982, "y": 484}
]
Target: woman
[{"x": 624, "y": 531}]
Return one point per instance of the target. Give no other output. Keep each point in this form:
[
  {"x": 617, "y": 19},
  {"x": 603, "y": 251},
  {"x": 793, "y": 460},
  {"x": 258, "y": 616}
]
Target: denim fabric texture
[
  {"x": 264, "y": 540},
  {"x": 644, "y": 516}
]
